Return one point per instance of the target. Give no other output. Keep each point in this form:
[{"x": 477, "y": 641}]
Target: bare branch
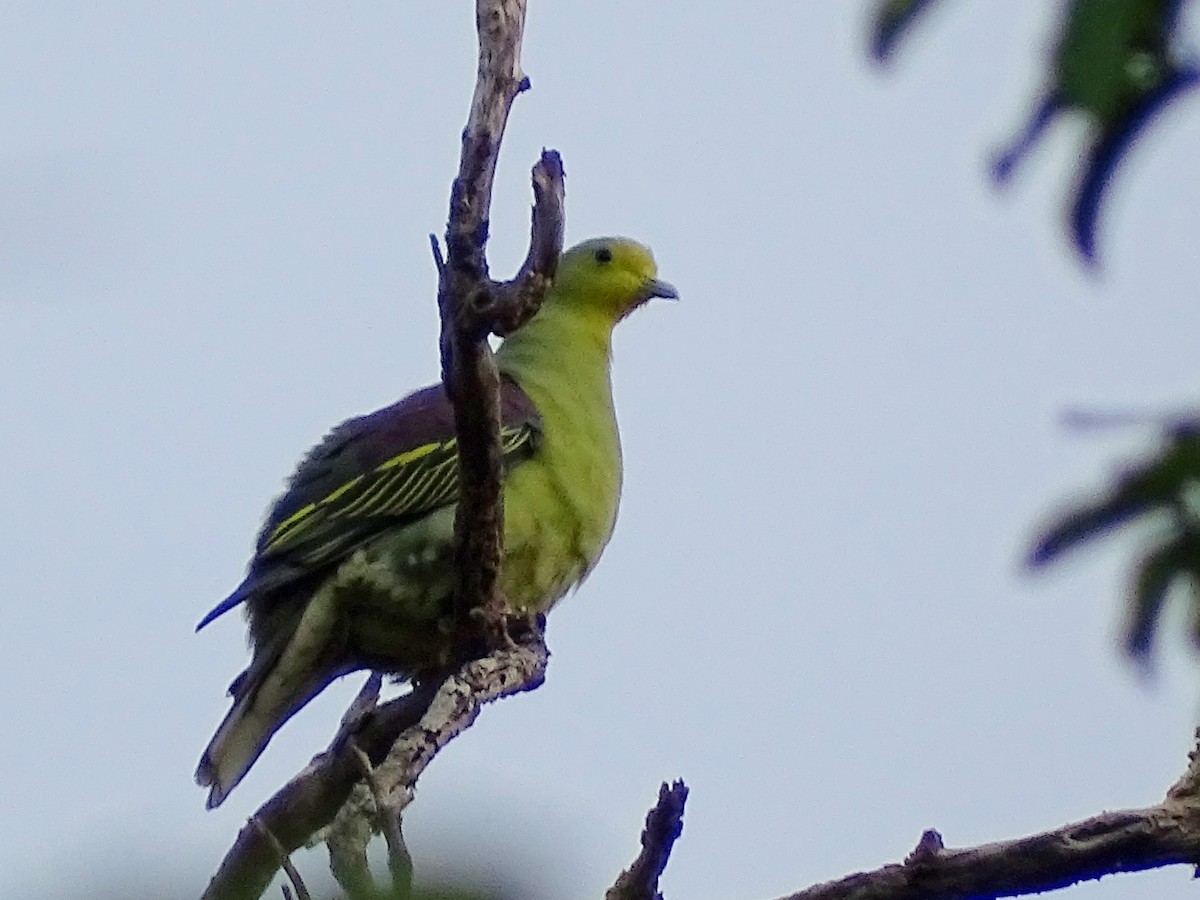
[
  {"x": 310, "y": 800},
  {"x": 1187, "y": 789},
  {"x": 1130, "y": 840},
  {"x": 418, "y": 724},
  {"x": 515, "y": 302},
  {"x": 438, "y": 259},
  {"x": 388, "y": 810},
  {"x": 664, "y": 824},
  {"x": 472, "y": 305},
  {"x": 457, "y": 704},
  {"x": 346, "y": 840}
]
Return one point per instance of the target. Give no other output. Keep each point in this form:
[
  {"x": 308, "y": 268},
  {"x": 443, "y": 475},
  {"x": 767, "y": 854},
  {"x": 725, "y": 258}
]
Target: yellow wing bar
[{"x": 408, "y": 484}]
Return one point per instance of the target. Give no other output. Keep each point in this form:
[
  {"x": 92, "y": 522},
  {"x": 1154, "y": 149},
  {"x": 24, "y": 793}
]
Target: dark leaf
[
  {"x": 1085, "y": 522},
  {"x": 1152, "y": 580},
  {"x": 1006, "y": 160},
  {"x": 892, "y": 20},
  {"x": 1109, "y": 149},
  {"x": 1160, "y": 483}
]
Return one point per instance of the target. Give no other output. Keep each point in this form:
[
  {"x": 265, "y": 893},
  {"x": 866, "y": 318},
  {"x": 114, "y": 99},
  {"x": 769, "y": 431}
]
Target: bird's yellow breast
[{"x": 560, "y": 506}]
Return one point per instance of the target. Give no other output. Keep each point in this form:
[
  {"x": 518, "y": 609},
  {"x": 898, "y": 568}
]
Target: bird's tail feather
[{"x": 280, "y": 680}]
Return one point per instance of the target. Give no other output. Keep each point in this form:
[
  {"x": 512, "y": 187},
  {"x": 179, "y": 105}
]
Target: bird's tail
[{"x": 283, "y": 676}]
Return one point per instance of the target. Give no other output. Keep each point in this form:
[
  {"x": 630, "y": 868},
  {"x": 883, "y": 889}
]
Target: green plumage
[{"x": 353, "y": 567}]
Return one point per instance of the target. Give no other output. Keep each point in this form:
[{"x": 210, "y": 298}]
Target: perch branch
[
  {"x": 418, "y": 724},
  {"x": 664, "y": 824},
  {"x": 393, "y": 780},
  {"x": 1131, "y": 840},
  {"x": 472, "y": 305}
]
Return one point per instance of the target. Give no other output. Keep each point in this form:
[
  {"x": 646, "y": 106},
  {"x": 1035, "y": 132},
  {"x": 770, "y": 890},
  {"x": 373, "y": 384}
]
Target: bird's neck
[{"x": 565, "y": 350}]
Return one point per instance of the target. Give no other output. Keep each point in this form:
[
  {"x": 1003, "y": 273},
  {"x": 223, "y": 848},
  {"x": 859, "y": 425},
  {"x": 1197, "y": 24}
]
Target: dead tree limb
[
  {"x": 472, "y": 305},
  {"x": 1130, "y": 840},
  {"x": 420, "y": 723},
  {"x": 664, "y": 824}
]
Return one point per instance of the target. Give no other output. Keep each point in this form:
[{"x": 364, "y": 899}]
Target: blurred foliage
[
  {"x": 892, "y": 20},
  {"x": 119, "y": 877},
  {"x": 1114, "y": 61},
  {"x": 134, "y": 891},
  {"x": 1166, "y": 483}
]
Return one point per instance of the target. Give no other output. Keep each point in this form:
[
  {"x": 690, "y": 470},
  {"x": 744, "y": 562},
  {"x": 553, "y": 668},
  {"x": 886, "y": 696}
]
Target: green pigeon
[{"x": 354, "y": 568}]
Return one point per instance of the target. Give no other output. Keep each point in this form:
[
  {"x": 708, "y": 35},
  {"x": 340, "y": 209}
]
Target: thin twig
[
  {"x": 284, "y": 859},
  {"x": 387, "y": 818},
  {"x": 438, "y": 260},
  {"x": 364, "y": 703},
  {"x": 458, "y": 703},
  {"x": 1187, "y": 789},
  {"x": 664, "y": 824},
  {"x": 346, "y": 839}
]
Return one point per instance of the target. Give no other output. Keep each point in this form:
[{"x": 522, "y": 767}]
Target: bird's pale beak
[{"x": 654, "y": 287}]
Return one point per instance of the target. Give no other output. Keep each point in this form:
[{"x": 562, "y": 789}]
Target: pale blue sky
[{"x": 213, "y": 224}]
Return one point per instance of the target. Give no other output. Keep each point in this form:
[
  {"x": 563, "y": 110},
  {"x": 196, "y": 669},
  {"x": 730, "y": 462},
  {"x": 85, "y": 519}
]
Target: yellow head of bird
[{"x": 613, "y": 275}]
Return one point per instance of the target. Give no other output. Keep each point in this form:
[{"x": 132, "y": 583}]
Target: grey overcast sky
[{"x": 213, "y": 224}]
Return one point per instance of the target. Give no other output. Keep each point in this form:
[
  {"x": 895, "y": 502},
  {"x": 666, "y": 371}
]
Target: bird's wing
[{"x": 368, "y": 474}]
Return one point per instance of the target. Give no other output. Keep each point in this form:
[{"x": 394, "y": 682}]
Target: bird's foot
[
  {"x": 501, "y": 625},
  {"x": 492, "y": 622}
]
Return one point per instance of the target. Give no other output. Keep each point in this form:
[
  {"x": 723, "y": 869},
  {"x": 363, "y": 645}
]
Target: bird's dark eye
[{"x": 603, "y": 255}]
